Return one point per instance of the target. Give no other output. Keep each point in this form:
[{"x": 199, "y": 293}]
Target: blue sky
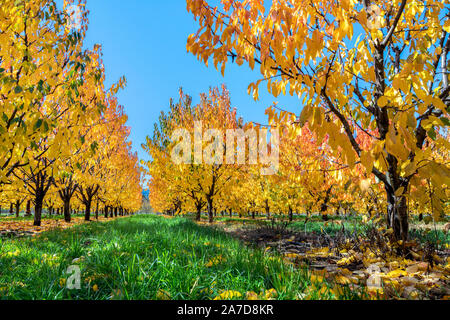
[{"x": 145, "y": 41}]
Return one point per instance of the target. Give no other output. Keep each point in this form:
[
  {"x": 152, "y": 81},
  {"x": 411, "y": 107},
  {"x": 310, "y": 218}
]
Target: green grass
[{"x": 139, "y": 255}]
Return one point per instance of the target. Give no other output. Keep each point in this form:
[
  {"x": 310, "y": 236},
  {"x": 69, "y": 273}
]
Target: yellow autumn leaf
[
  {"x": 382, "y": 101},
  {"x": 447, "y": 26},
  {"x": 367, "y": 161},
  {"x": 251, "y": 295},
  {"x": 396, "y": 273},
  {"x": 228, "y": 294},
  {"x": 399, "y": 191},
  {"x": 163, "y": 295}
]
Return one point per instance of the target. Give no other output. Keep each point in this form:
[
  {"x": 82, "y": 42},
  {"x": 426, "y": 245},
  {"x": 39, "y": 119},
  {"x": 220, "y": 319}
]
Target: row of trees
[
  {"x": 389, "y": 79},
  {"x": 309, "y": 178},
  {"x": 62, "y": 133},
  {"x": 312, "y": 177}
]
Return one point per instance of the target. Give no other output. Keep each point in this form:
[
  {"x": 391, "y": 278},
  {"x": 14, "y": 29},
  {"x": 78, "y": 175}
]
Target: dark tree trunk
[
  {"x": 66, "y": 195},
  {"x": 324, "y": 206},
  {"x": 231, "y": 212},
  {"x": 11, "y": 208},
  {"x": 38, "y": 210},
  {"x": 291, "y": 215},
  {"x": 87, "y": 212},
  {"x": 86, "y": 195},
  {"x": 199, "y": 212},
  {"x": 267, "y": 209},
  {"x": 115, "y": 212},
  {"x": 17, "y": 208},
  {"x": 67, "y": 216},
  {"x": 210, "y": 209},
  {"x": 397, "y": 215},
  {"x": 323, "y": 210},
  {"x": 253, "y": 214},
  {"x": 28, "y": 210}
]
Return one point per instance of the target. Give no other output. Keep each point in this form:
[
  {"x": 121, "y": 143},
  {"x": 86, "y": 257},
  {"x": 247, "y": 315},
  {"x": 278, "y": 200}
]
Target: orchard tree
[
  {"x": 204, "y": 173},
  {"x": 375, "y": 65},
  {"x": 39, "y": 59}
]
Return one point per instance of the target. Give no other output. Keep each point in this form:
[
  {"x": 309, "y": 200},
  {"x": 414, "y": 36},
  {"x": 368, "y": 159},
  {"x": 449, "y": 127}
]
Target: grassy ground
[
  {"x": 148, "y": 257},
  {"x": 155, "y": 257}
]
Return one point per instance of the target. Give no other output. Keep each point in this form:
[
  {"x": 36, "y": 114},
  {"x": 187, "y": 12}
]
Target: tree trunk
[
  {"x": 210, "y": 210},
  {"x": 115, "y": 212},
  {"x": 96, "y": 211},
  {"x": 17, "y": 208},
  {"x": 290, "y": 214},
  {"x": 253, "y": 214},
  {"x": 199, "y": 213},
  {"x": 397, "y": 216},
  {"x": 87, "y": 213},
  {"x": 231, "y": 213},
  {"x": 38, "y": 211},
  {"x": 11, "y": 208},
  {"x": 323, "y": 210},
  {"x": 67, "y": 216},
  {"x": 267, "y": 209},
  {"x": 28, "y": 211}
]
